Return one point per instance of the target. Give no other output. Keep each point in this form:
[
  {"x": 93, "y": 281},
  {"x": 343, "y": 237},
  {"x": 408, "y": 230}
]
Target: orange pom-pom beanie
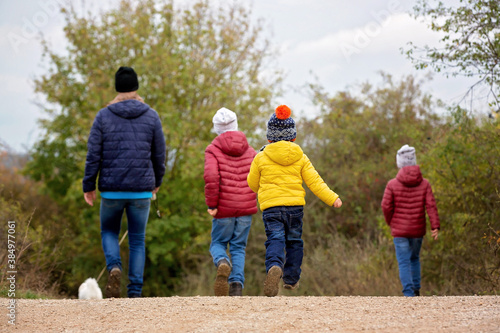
[{"x": 281, "y": 126}]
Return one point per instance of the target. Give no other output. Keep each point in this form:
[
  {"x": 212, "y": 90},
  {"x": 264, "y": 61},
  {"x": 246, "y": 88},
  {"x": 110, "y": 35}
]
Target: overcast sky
[{"x": 342, "y": 43}]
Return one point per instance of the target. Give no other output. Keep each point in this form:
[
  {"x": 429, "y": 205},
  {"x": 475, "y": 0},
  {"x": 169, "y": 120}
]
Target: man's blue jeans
[
  {"x": 232, "y": 231},
  {"x": 284, "y": 233},
  {"x": 408, "y": 256},
  {"x": 137, "y": 211}
]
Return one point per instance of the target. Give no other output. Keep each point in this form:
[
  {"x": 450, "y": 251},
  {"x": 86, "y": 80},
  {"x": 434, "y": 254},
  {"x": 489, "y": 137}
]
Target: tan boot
[
  {"x": 221, "y": 287},
  {"x": 291, "y": 286},
  {"x": 114, "y": 283},
  {"x": 271, "y": 284}
]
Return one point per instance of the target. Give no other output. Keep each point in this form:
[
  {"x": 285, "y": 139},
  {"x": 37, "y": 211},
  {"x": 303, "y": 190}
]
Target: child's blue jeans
[
  {"x": 232, "y": 231},
  {"x": 137, "y": 211},
  {"x": 284, "y": 234},
  {"x": 408, "y": 256}
]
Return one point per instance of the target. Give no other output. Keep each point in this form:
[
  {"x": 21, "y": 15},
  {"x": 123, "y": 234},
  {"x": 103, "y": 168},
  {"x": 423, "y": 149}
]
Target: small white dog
[{"x": 89, "y": 290}]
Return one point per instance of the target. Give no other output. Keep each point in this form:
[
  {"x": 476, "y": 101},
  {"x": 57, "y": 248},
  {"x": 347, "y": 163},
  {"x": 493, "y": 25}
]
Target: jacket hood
[
  {"x": 232, "y": 143},
  {"x": 129, "y": 109},
  {"x": 284, "y": 152},
  {"x": 410, "y": 176}
]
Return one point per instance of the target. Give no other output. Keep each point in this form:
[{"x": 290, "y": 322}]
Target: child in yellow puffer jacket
[{"x": 276, "y": 175}]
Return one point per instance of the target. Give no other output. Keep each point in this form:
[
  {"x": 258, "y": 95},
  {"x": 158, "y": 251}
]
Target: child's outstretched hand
[{"x": 337, "y": 203}]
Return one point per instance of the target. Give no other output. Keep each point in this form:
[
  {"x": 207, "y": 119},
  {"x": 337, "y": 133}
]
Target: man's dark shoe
[
  {"x": 134, "y": 296},
  {"x": 114, "y": 283},
  {"x": 417, "y": 292},
  {"x": 235, "y": 289},
  {"x": 271, "y": 284},
  {"x": 221, "y": 287}
]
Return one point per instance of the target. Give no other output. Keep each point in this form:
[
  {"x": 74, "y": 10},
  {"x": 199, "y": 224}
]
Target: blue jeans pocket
[
  {"x": 110, "y": 203},
  {"x": 272, "y": 221},
  {"x": 223, "y": 221},
  {"x": 141, "y": 203},
  {"x": 296, "y": 219},
  {"x": 401, "y": 243},
  {"x": 244, "y": 220}
]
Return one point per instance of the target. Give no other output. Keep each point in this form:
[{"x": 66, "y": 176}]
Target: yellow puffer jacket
[{"x": 277, "y": 173}]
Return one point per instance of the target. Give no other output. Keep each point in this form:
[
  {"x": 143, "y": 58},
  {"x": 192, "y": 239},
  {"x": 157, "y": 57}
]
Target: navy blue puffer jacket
[{"x": 126, "y": 147}]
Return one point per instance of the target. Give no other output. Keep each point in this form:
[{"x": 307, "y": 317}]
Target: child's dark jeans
[{"x": 284, "y": 234}]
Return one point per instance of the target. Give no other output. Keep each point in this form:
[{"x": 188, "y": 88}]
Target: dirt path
[{"x": 258, "y": 314}]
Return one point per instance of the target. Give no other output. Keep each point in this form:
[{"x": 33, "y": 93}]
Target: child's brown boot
[
  {"x": 291, "y": 286},
  {"x": 221, "y": 287},
  {"x": 271, "y": 284}
]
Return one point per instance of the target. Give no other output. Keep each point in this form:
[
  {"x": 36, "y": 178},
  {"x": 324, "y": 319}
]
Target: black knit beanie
[
  {"x": 281, "y": 126},
  {"x": 126, "y": 80}
]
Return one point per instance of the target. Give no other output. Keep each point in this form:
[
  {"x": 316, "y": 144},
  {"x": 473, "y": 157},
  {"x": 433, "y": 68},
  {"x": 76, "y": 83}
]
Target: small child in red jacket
[
  {"x": 230, "y": 201},
  {"x": 405, "y": 201}
]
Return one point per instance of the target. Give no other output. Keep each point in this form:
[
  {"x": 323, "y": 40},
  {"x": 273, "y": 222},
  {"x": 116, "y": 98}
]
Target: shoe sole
[
  {"x": 221, "y": 287},
  {"x": 113, "y": 286},
  {"x": 271, "y": 284}
]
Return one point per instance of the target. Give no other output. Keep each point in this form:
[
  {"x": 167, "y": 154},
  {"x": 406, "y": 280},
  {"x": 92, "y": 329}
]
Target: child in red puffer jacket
[
  {"x": 406, "y": 199},
  {"x": 230, "y": 201}
]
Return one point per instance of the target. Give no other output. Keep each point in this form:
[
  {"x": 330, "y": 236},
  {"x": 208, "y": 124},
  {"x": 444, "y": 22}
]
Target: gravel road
[{"x": 258, "y": 314}]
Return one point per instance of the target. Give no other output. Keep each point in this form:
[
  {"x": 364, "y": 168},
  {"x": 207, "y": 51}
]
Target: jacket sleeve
[
  {"x": 158, "y": 152},
  {"x": 388, "y": 204},
  {"x": 94, "y": 155},
  {"x": 316, "y": 184},
  {"x": 430, "y": 206},
  {"x": 253, "y": 178},
  {"x": 212, "y": 180}
]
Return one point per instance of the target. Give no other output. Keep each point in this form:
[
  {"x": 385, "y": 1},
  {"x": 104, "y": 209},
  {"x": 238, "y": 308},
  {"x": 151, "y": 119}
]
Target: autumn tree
[{"x": 470, "y": 45}]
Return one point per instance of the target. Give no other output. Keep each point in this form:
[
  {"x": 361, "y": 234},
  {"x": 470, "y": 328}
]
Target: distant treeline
[{"x": 192, "y": 61}]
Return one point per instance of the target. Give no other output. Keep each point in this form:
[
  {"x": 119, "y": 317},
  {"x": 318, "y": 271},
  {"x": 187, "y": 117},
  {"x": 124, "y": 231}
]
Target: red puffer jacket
[
  {"x": 405, "y": 200},
  {"x": 227, "y": 163}
]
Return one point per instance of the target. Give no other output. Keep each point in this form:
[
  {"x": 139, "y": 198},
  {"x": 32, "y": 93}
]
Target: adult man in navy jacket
[{"x": 126, "y": 147}]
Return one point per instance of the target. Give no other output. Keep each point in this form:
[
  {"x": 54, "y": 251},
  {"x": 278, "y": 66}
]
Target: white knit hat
[
  {"x": 406, "y": 156},
  {"x": 225, "y": 120}
]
